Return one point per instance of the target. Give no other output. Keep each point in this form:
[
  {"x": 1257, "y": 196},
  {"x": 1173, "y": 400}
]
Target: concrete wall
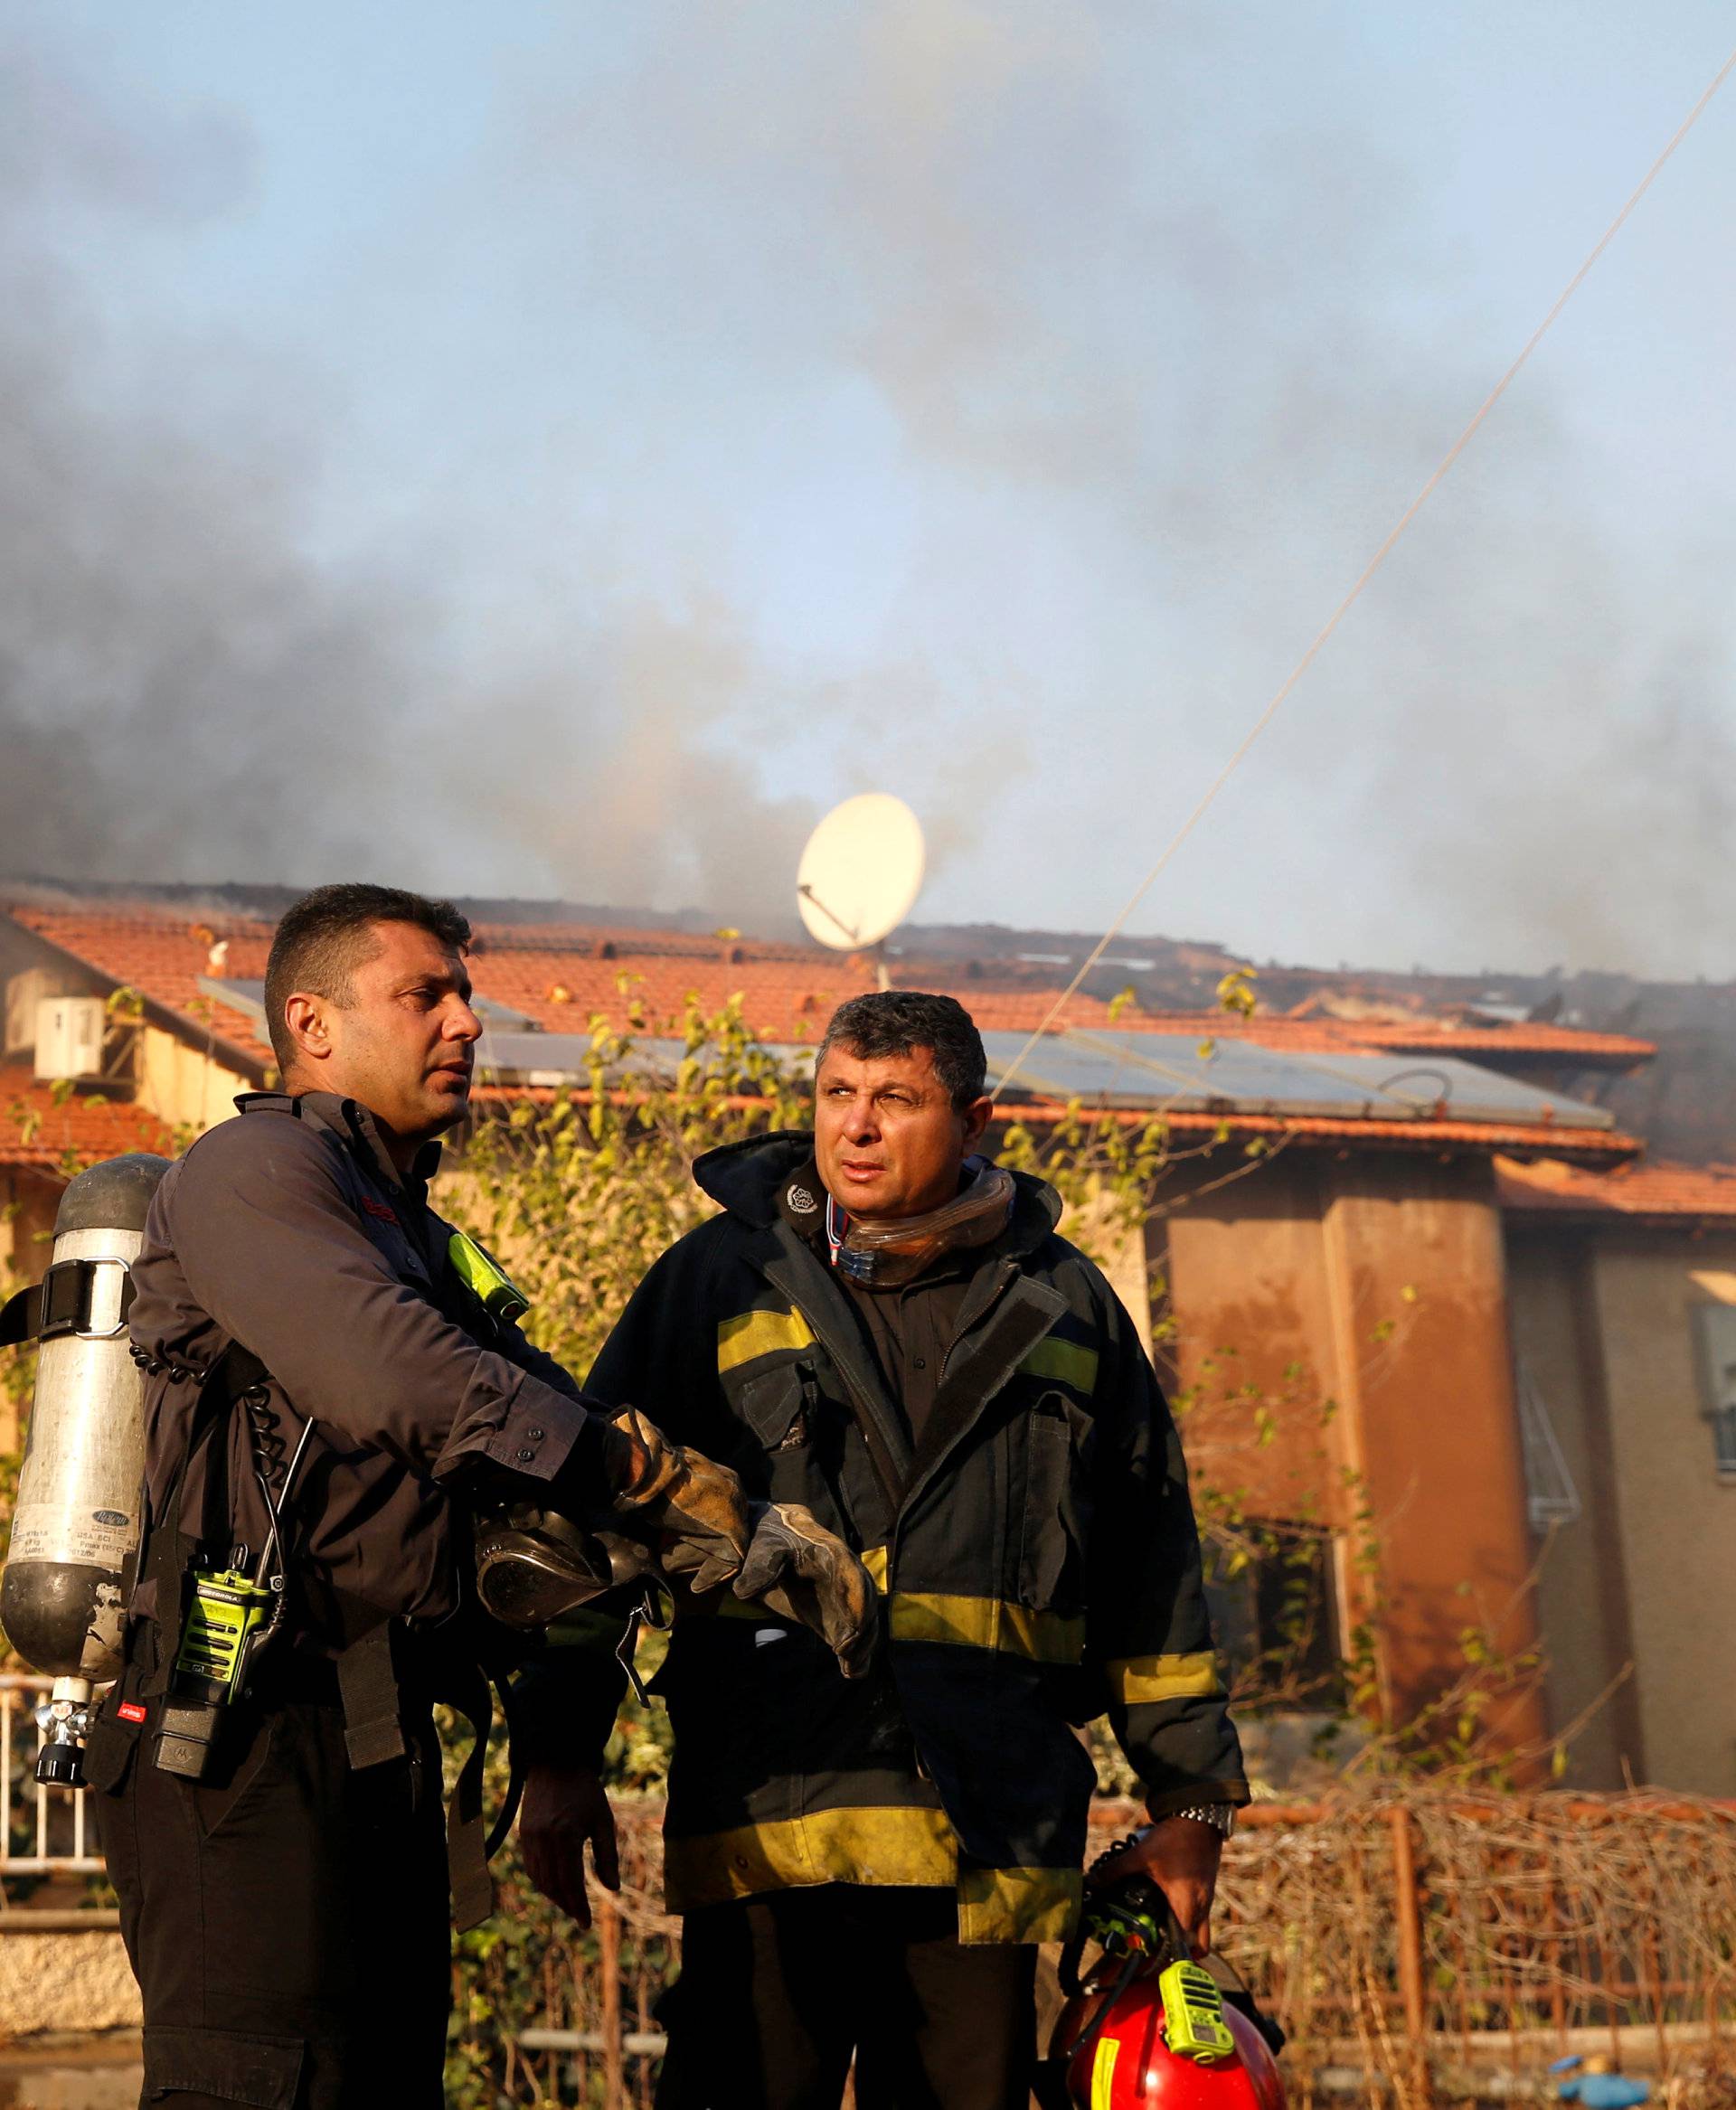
[
  {"x": 1677, "y": 1518},
  {"x": 65, "y": 1983},
  {"x": 1343, "y": 1354},
  {"x": 185, "y": 1085},
  {"x": 1582, "y": 1586},
  {"x": 1254, "y": 1365},
  {"x": 1605, "y": 1319}
]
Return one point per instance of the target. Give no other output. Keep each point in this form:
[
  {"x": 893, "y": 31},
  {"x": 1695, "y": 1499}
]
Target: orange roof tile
[
  {"x": 43, "y": 1130},
  {"x": 1654, "y": 1189}
]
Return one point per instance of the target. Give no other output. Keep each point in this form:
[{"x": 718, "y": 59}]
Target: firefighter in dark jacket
[
  {"x": 884, "y": 1327},
  {"x": 308, "y": 1327}
]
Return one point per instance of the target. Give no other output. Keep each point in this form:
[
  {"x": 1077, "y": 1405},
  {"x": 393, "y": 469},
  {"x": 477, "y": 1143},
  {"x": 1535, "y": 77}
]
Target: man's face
[
  {"x": 402, "y": 1046},
  {"x": 888, "y": 1141}
]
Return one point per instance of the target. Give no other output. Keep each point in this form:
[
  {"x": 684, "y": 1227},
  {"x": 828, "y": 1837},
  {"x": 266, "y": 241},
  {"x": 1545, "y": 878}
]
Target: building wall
[
  {"x": 185, "y": 1085},
  {"x": 1343, "y": 1350},
  {"x": 1582, "y": 1588},
  {"x": 1254, "y": 1366},
  {"x": 1605, "y": 1317},
  {"x": 1678, "y": 1519}
]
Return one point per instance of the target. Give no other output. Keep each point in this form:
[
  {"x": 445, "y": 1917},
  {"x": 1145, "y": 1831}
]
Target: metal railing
[{"x": 43, "y": 1829}]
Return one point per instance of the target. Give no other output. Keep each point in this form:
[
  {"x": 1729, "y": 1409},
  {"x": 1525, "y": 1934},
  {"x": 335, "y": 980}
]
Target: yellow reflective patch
[
  {"x": 755, "y": 1334},
  {"x": 1103, "y": 2073},
  {"x": 875, "y": 1560},
  {"x": 1138, "y": 1681},
  {"x": 889, "y": 1847},
  {"x": 1018, "y": 1905},
  {"x": 1066, "y": 1359},
  {"x": 1041, "y": 1637}
]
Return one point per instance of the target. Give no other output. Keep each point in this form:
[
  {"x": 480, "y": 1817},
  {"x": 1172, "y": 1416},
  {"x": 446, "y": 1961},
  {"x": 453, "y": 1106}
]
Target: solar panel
[
  {"x": 246, "y": 996},
  {"x": 1201, "y": 1073}
]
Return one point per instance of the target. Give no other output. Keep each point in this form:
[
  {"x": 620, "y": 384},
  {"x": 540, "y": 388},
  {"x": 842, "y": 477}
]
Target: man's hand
[
  {"x": 696, "y": 1508},
  {"x": 798, "y": 1569},
  {"x": 564, "y": 1806},
  {"x": 1181, "y": 1856}
]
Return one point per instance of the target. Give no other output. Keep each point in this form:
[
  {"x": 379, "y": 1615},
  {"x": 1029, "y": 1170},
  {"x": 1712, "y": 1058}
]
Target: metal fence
[{"x": 1418, "y": 1952}]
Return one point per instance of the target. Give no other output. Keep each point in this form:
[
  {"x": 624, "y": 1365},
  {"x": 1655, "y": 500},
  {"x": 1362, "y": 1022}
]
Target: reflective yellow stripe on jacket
[
  {"x": 755, "y": 1334},
  {"x": 885, "y": 1847},
  {"x": 1138, "y": 1681}
]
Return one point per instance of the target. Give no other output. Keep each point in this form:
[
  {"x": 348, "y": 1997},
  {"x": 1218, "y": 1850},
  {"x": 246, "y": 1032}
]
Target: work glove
[
  {"x": 696, "y": 1509},
  {"x": 797, "y": 1569}
]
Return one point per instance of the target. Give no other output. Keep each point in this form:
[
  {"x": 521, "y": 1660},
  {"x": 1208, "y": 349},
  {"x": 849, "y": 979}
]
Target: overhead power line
[{"x": 1210, "y": 797}]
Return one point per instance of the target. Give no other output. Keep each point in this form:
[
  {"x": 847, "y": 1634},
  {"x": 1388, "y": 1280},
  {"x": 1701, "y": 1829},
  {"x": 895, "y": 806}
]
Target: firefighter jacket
[
  {"x": 1035, "y": 1548},
  {"x": 287, "y": 1231}
]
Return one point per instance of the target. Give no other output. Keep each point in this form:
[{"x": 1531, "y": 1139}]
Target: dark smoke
[{"x": 1140, "y": 371}]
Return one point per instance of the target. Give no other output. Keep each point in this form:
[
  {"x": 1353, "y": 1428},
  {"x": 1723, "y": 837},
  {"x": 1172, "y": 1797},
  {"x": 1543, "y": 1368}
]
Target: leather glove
[
  {"x": 701, "y": 1517},
  {"x": 797, "y": 1569}
]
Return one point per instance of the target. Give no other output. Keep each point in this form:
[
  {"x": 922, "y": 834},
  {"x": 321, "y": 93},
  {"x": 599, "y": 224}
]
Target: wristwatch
[{"x": 1220, "y": 1816}]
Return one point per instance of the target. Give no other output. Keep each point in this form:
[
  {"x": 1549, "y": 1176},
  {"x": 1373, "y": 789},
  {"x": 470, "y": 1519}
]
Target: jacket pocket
[
  {"x": 775, "y": 1405},
  {"x": 1055, "y": 1526}
]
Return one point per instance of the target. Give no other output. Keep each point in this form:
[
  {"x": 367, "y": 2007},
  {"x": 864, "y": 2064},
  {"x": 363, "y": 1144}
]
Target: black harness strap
[
  {"x": 468, "y": 1841},
  {"x": 167, "y": 1555}
]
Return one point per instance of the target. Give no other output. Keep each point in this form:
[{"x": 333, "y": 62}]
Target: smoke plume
[{"x": 981, "y": 403}]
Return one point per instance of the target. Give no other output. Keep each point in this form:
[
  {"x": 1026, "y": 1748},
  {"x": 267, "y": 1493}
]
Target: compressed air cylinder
[{"x": 77, "y": 1517}]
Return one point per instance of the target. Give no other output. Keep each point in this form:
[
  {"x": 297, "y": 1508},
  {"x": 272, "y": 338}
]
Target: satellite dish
[{"x": 861, "y": 873}]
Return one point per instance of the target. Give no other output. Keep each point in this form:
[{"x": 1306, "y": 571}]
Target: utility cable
[{"x": 1416, "y": 505}]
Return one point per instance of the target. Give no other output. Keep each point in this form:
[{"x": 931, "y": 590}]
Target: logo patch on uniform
[
  {"x": 131, "y": 1710},
  {"x": 801, "y": 1201},
  {"x": 380, "y": 1209}
]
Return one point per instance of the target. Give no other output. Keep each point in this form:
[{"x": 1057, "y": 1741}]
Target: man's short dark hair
[
  {"x": 898, "y": 1022},
  {"x": 324, "y": 937}
]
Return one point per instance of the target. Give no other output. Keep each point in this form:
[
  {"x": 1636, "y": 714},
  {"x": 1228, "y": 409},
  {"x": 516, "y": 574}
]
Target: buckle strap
[
  {"x": 367, "y": 1682},
  {"x": 468, "y": 1843}
]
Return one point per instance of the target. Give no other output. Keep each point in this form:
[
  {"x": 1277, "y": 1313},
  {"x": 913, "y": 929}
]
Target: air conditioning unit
[{"x": 69, "y": 1037}]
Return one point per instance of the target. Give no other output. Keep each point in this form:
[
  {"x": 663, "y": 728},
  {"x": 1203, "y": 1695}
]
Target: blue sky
[{"x": 551, "y": 448}]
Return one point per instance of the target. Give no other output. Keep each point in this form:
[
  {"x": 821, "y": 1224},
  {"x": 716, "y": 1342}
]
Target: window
[
  {"x": 1272, "y": 1594},
  {"x": 1715, "y": 1326},
  {"x": 1551, "y": 1496}
]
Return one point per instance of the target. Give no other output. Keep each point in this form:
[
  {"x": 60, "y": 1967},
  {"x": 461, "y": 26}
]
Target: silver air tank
[{"x": 77, "y": 1521}]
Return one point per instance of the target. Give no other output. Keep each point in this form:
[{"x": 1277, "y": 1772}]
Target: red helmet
[
  {"x": 1148, "y": 2028},
  {"x": 1125, "y": 2062}
]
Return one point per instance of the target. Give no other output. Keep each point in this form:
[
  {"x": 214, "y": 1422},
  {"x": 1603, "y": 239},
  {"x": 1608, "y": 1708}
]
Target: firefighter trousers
[
  {"x": 287, "y": 1922},
  {"x": 777, "y": 1995}
]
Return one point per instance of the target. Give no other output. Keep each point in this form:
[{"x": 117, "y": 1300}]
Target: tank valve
[{"x": 64, "y": 1718}]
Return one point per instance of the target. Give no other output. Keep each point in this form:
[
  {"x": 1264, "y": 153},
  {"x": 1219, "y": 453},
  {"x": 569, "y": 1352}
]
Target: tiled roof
[
  {"x": 163, "y": 957},
  {"x": 44, "y": 1131},
  {"x": 560, "y": 975},
  {"x": 554, "y": 975},
  {"x": 1650, "y": 1191}
]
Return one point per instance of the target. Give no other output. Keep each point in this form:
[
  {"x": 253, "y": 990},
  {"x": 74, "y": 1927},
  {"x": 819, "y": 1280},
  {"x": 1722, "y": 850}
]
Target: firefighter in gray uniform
[
  {"x": 887, "y": 1329},
  {"x": 330, "y": 1379}
]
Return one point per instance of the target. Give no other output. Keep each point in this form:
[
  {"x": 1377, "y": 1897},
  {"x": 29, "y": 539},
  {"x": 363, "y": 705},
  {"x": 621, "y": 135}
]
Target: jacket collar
[{"x": 352, "y": 1124}]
